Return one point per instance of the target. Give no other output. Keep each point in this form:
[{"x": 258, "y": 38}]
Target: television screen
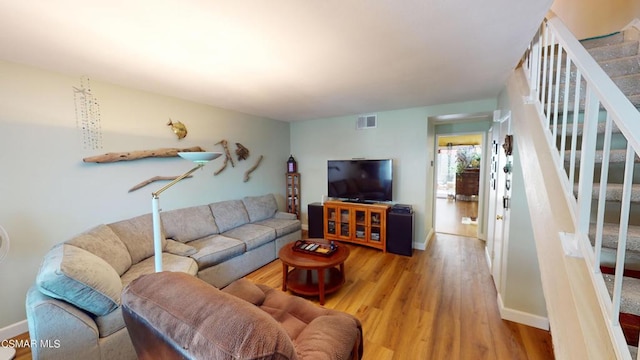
[{"x": 360, "y": 180}]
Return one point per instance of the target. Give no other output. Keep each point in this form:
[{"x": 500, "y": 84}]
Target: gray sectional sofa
[{"x": 74, "y": 306}]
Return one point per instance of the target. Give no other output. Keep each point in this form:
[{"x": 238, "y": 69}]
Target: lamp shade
[{"x": 199, "y": 156}]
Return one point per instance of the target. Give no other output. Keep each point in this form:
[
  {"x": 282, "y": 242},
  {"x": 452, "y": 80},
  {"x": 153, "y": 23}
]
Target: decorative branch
[
  {"x": 153, "y": 179},
  {"x": 139, "y": 154},
  {"x": 251, "y": 169},
  {"x": 224, "y": 166},
  {"x": 225, "y": 145}
]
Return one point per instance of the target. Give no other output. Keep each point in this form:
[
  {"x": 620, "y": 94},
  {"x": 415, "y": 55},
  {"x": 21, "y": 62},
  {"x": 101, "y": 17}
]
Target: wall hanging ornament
[
  {"x": 242, "y": 152},
  {"x": 87, "y": 115},
  {"x": 178, "y": 128},
  {"x": 508, "y": 144}
]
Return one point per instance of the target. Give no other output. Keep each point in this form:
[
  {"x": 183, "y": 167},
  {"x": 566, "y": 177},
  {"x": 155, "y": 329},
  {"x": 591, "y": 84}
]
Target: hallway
[{"x": 450, "y": 214}]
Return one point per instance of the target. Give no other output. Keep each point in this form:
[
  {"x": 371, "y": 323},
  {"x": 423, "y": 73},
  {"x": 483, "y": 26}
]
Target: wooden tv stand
[{"x": 364, "y": 224}]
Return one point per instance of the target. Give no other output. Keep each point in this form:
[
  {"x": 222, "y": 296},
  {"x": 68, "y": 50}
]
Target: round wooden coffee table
[{"x": 312, "y": 274}]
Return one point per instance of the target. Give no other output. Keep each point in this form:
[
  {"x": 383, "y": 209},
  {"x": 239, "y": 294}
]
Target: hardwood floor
[
  {"x": 438, "y": 304},
  {"x": 449, "y": 215}
]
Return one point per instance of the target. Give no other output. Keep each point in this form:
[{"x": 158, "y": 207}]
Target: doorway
[{"x": 458, "y": 163}]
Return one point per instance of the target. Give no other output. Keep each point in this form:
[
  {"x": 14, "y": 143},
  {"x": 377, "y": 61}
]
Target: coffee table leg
[
  {"x": 285, "y": 272},
  {"x": 321, "y": 285}
]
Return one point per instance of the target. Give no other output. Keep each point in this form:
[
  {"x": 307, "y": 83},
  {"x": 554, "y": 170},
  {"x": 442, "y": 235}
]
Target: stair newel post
[
  {"x": 587, "y": 163},
  {"x": 602, "y": 196}
]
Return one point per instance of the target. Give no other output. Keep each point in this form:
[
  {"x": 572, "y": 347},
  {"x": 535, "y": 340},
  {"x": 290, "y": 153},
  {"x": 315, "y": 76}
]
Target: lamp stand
[
  {"x": 200, "y": 158},
  {"x": 155, "y": 210}
]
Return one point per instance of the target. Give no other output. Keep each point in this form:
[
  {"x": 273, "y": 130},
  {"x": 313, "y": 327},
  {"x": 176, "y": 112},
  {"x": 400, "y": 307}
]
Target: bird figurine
[{"x": 178, "y": 128}]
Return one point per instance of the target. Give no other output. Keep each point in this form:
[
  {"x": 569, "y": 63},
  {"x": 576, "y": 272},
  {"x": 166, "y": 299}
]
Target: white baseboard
[
  {"x": 14, "y": 330},
  {"x": 423, "y": 245},
  {"x": 488, "y": 258},
  {"x": 520, "y": 317}
]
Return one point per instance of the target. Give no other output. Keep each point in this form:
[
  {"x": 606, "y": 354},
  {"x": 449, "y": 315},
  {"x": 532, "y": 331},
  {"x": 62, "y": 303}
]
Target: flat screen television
[{"x": 360, "y": 180}]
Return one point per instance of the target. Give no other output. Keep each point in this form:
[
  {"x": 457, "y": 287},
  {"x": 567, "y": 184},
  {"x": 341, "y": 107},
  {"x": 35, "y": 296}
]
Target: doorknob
[{"x": 499, "y": 217}]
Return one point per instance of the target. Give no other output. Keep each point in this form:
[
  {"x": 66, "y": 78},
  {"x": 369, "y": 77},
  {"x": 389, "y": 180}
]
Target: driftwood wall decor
[
  {"x": 251, "y": 169},
  {"x": 139, "y": 154}
]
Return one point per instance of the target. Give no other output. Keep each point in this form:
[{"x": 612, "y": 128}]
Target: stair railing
[{"x": 564, "y": 80}]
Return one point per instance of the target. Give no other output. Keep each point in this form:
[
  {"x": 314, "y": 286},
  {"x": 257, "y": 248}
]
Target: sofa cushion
[
  {"x": 170, "y": 262},
  {"x": 229, "y": 214},
  {"x": 103, "y": 242},
  {"x": 80, "y": 278},
  {"x": 252, "y": 235},
  {"x": 260, "y": 207},
  {"x": 215, "y": 249},
  {"x": 178, "y": 248},
  {"x": 245, "y": 290},
  {"x": 281, "y": 226},
  {"x": 137, "y": 235},
  {"x": 189, "y": 223},
  {"x": 317, "y": 332}
]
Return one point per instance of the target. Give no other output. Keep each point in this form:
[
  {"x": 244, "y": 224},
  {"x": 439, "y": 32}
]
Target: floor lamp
[{"x": 201, "y": 159}]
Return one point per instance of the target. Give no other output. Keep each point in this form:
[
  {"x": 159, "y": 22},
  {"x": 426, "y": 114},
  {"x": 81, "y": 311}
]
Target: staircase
[
  {"x": 618, "y": 55},
  {"x": 590, "y": 115}
]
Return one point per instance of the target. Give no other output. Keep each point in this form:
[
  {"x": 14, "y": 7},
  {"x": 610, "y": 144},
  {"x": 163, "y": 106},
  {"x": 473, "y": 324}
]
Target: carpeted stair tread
[
  {"x": 631, "y": 259},
  {"x": 623, "y": 49},
  {"x": 610, "y": 233},
  {"x": 580, "y": 127},
  {"x": 614, "y": 192},
  {"x": 621, "y": 66},
  {"x": 630, "y": 300},
  {"x": 611, "y": 39},
  {"x": 615, "y": 156},
  {"x": 629, "y": 84}
]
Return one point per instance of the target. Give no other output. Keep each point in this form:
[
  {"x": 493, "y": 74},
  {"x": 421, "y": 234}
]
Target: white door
[{"x": 501, "y": 201}]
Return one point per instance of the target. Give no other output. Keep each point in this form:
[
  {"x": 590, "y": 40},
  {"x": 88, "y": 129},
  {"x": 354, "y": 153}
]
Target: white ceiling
[{"x": 282, "y": 59}]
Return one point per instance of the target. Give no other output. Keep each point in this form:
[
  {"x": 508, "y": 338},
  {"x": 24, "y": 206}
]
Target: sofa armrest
[
  {"x": 68, "y": 331},
  {"x": 178, "y": 248},
  {"x": 330, "y": 337},
  {"x": 285, "y": 215}
]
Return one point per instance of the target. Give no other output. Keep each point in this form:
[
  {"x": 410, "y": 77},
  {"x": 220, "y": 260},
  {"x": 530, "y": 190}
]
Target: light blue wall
[
  {"x": 47, "y": 193},
  {"x": 406, "y": 136}
]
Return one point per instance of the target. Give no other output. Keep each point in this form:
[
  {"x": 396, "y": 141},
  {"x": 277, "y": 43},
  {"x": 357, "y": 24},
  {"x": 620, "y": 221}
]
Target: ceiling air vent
[{"x": 367, "y": 122}]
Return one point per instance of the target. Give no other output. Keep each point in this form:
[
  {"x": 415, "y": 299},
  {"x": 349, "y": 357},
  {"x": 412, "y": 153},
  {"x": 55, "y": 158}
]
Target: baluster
[
  {"x": 602, "y": 195},
  {"x": 565, "y": 110},
  {"x": 588, "y": 153},
  {"x": 574, "y": 138},
  {"x": 622, "y": 234}
]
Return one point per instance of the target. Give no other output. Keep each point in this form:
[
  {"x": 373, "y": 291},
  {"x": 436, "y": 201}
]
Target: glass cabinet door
[
  {"x": 361, "y": 224},
  {"x": 331, "y": 221},
  {"x": 375, "y": 222},
  {"x": 345, "y": 222}
]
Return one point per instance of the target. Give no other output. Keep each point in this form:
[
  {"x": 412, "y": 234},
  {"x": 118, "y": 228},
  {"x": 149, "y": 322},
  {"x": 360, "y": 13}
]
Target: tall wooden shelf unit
[
  {"x": 293, "y": 193},
  {"x": 364, "y": 224}
]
